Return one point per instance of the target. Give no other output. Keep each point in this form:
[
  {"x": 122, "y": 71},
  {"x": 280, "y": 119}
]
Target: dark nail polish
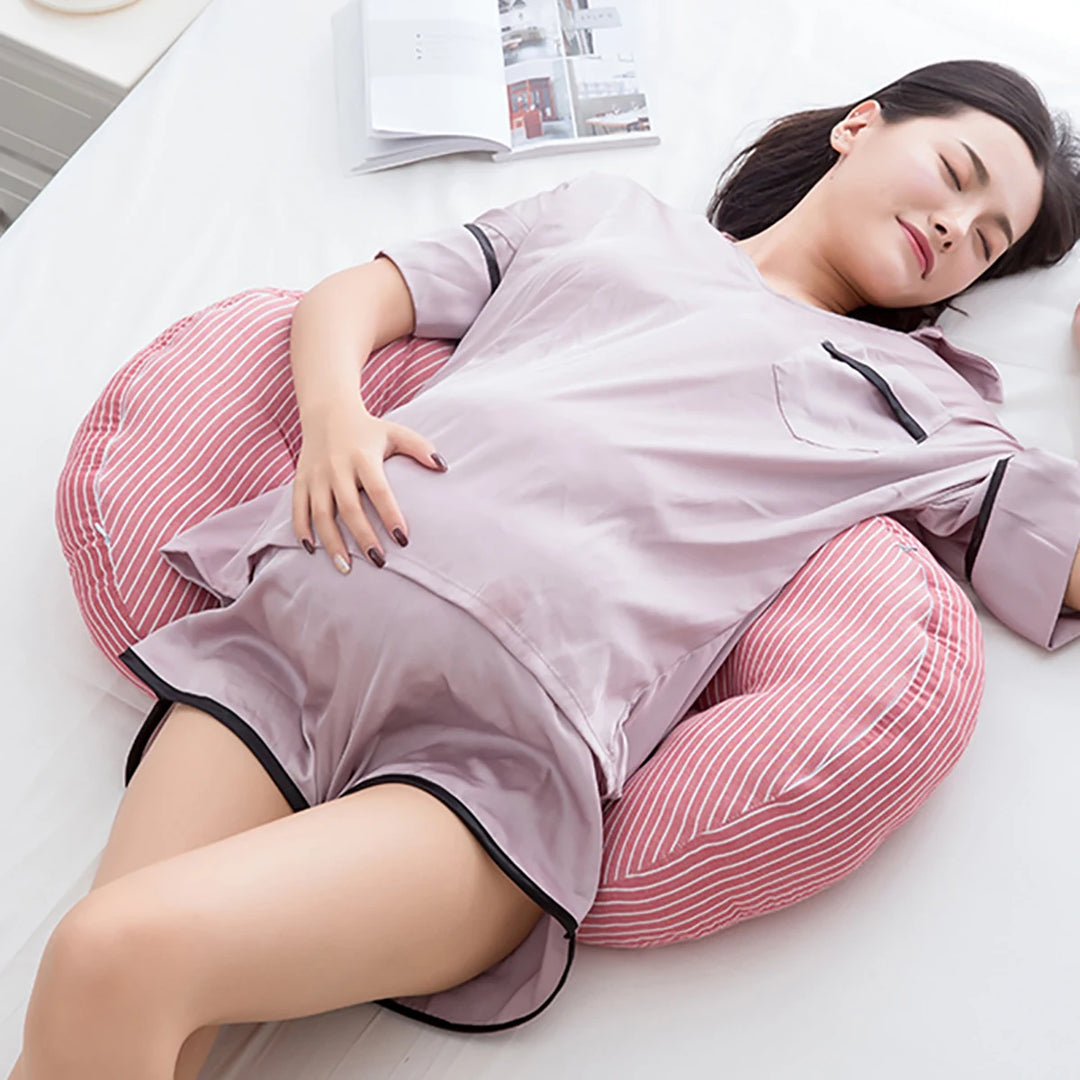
[
  {"x": 376, "y": 557},
  {"x": 438, "y": 459},
  {"x": 308, "y": 545},
  {"x": 401, "y": 538}
]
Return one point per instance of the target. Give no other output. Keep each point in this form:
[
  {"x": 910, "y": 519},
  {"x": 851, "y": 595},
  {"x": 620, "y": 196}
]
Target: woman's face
[{"x": 966, "y": 183}]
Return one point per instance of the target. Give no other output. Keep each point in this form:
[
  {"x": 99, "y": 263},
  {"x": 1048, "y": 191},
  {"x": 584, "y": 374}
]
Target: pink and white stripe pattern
[
  {"x": 830, "y": 723},
  {"x": 202, "y": 419}
]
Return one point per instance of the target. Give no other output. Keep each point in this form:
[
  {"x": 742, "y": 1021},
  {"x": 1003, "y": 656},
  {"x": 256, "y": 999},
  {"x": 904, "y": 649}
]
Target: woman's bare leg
[
  {"x": 381, "y": 893},
  {"x": 197, "y": 783}
]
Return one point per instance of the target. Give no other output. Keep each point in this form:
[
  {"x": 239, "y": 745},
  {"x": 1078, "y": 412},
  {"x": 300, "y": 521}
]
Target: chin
[
  {"x": 894, "y": 299},
  {"x": 875, "y": 288}
]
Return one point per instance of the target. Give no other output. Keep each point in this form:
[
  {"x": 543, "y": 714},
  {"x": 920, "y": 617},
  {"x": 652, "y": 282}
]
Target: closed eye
[{"x": 956, "y": 180}]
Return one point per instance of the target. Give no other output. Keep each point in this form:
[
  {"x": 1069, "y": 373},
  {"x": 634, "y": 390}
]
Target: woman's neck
[{"x": 789, "y": 255}]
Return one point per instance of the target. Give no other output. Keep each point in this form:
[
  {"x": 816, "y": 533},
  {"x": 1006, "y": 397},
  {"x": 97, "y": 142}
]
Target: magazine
[{"x": 422, "y": 78}]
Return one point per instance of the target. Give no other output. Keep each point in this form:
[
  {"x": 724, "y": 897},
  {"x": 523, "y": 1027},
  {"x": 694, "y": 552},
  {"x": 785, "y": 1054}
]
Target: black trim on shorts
[
  {"x": 907, "y": 421},
  {"x": 494, "y": 274},
  {"x": 983, "y": 520},
  {"x": 167, "y": 695},
  {"x": 508, "y": 867}
]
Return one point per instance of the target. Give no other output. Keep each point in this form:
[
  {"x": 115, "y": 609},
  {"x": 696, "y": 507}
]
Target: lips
[{"x": 922, "y": 246}]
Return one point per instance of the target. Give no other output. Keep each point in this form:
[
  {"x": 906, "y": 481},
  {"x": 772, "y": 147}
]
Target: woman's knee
[
  {"x": 102, "y": 994},
  {"x": 101, "y": 964}
]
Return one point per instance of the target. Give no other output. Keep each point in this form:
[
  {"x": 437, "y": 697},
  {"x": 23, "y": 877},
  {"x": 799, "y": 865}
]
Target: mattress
[{"x": 951, "y": 953}]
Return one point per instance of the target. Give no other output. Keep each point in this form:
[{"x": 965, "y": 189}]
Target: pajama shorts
[{"x": 338, "y": 682}]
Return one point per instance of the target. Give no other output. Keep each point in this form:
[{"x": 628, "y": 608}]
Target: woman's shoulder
[
  {"x": 606, "y": 188},
  {"x": 976, "y": 369}
]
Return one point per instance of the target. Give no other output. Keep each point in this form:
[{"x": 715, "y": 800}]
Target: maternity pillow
[{"x": 836, "y": 715}]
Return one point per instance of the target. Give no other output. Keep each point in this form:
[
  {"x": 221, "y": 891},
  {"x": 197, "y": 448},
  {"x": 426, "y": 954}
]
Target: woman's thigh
[
  {"x": 197, "y": 783},
  {"x": 380, "y": 893}
]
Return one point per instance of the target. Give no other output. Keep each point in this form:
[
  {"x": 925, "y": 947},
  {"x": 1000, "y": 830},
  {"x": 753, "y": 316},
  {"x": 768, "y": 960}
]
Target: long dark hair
[{"x": 794, "y": 153}]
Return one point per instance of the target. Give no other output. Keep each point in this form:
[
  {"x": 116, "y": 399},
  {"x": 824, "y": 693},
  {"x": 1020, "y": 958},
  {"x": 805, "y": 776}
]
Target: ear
[{"x": 861, "y": 117}]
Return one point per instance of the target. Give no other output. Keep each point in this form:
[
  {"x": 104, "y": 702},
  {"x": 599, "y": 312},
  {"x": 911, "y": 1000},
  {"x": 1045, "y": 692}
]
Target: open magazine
[{"x": 422, "y": 78}]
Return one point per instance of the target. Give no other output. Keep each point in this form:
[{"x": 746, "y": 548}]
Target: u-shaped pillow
[{"x": 830, "y": 723}]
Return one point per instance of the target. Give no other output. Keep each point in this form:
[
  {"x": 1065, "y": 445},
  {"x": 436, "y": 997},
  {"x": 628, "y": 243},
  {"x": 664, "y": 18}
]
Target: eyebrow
[{"x": 983, "y": 177}]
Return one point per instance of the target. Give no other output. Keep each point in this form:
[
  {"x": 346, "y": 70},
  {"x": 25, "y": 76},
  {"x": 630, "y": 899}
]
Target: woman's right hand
[{"x": 343, "y": 449}]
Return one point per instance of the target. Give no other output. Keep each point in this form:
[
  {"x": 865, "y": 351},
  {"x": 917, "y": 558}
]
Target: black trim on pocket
[
  {"x": 909, "y": 423},
  {"x": 979, "y": 531},
  {"x": 489, "y": 254}
]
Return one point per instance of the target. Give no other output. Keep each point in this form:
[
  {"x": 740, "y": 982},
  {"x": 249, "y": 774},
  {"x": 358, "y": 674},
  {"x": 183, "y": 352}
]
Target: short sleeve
[
  {"x": 1014, "y": 536},
  {"x": 452, "y": 273}
]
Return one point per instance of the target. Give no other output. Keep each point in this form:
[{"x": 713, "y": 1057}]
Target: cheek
[
  {"x": 909, "y": 182},
  {"x": 919, "y": 189}
]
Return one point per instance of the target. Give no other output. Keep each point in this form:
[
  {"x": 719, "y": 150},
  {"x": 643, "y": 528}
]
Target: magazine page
[
  {"x": 434, "y": 67},
  {"x": 572, "y": 74},
  {"x": 362, "y": 152}
]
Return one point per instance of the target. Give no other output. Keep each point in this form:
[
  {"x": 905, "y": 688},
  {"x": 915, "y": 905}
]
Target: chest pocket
[{"x": 854, "y": 399}]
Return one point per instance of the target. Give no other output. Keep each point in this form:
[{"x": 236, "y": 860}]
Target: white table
[{"x": 62, "y": 74}]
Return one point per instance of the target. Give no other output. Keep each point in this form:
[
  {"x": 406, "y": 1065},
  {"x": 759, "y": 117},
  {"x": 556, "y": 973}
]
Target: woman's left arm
[{"x": 1013, "y": 534}]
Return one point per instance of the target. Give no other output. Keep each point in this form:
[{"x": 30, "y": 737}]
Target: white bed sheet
[{"x": 953, "y": 952}]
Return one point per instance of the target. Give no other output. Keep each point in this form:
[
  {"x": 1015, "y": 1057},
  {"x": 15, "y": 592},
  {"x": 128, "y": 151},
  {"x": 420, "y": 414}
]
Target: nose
[
  {"x": 944, "y": 233},
  {"x": 949, "y": 230}
]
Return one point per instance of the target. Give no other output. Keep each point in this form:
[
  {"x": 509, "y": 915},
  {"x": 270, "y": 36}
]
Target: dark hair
[{"x": 794, "y": 153}]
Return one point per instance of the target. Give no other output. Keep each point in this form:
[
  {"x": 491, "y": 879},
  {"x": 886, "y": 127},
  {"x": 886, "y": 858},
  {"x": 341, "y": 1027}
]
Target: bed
[{"x": 951, "y": 953}]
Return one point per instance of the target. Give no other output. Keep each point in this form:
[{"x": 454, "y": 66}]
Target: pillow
[
  {"x": 828, "y": 725},
  {"x": 832, "y": 720},
  {"x": 201, "y": 419}
]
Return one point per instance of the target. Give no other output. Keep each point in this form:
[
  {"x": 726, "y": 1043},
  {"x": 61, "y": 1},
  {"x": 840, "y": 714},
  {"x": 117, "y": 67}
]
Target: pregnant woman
[{"x": 377, "y": 771}]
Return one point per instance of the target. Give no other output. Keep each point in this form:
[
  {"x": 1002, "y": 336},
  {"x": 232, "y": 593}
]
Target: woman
[{"x": 650, "y": 425}]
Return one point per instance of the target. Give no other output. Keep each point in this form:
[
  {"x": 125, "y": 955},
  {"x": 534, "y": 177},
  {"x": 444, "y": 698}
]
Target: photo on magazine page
[{"x": 571, "y": 69}]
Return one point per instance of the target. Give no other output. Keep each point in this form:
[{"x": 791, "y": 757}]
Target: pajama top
[{"x": 646, "y": 442}]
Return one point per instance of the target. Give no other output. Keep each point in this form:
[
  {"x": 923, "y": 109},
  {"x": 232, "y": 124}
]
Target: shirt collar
[{"x": 976, "y": 369}]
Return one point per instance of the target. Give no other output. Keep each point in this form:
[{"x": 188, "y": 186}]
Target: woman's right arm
[
  {"x": 433, "y": 287},
  {"x": 336, "y": 326}
]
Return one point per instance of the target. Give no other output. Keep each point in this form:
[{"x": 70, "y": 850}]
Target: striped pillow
[
  {"x": 831, "y": 722},
  {"x": 834, "y": 717},
  {"x": 201, "y": 419}
]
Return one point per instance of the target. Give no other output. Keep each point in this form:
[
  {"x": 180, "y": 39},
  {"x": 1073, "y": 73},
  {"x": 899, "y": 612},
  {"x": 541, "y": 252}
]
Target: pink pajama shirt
[{"x": 646, "y": 442}]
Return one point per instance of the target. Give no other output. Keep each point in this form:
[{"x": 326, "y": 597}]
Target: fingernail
[
  {"x": 438, "y": 459},
  {"x": 376, "y": 556},
  {"x": 308, "y": 545},
  {"x": 401, "y": 538},
  {"x": 341, "y": 563}
]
